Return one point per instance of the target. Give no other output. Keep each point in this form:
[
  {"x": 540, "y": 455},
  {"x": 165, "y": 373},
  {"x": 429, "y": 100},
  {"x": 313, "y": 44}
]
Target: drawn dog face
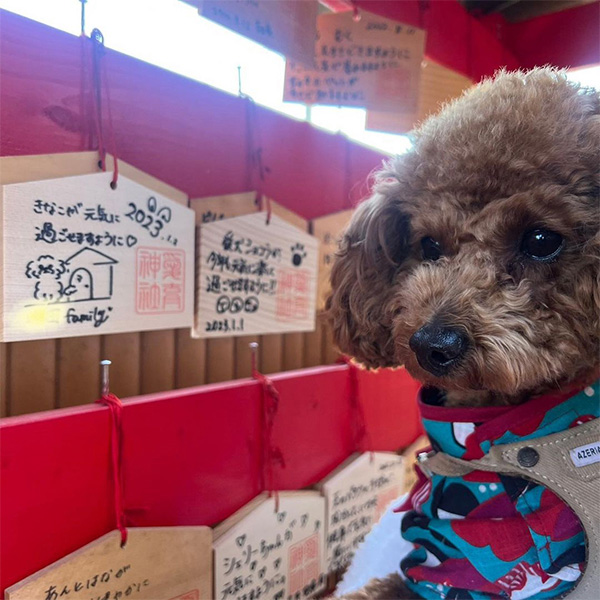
[{"x": 476, "y": 261}]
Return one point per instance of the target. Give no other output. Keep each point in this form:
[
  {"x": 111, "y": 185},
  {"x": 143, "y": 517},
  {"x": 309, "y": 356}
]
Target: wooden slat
[
  {"x": 190, "y": 363},
  {"x": 220, "y": 354},
  {"x": 123, "y": 350},
  {"x": 293, "y": 351},
  {"x": 222, "y": 207},
  {"x": 313, "y": 345},
  {"x": 243, "y": 356},
  {"x": 32, "y": 376},
  {"x": 328, "y": 230},
  {"x": 157, "y": 364},
  {"x": 438, "y": 85},
  {"x": 330, "y": 351},
  {"x": 4, "y": 393},
  {"x": 271, "y": 353},
  {"x": 17, "y": 169},
  {"x": 293, "y": 343},
  {"x": 288, "y": 215},
  {"x": 78, "y": 368}
]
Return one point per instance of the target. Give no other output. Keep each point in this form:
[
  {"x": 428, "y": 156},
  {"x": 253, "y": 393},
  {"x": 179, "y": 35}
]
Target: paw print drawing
[{"x": 298, "y": 254}]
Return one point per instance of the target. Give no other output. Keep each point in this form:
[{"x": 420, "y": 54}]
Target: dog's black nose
[{"x": 439, "y": 349}]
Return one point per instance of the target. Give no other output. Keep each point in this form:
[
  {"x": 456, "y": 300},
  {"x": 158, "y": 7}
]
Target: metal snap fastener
[{"x": 528, "y": 457}]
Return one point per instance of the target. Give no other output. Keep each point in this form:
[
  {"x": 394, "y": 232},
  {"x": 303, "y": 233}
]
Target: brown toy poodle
[{"x": 475, "y": 264}]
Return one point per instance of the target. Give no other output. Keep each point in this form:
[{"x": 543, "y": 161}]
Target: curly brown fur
[{"x": 516, "y": 153}]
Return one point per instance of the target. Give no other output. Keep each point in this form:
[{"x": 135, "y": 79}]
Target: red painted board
[
  {"x": 388, "y": 398},
  {"x": 185, "y": 133},
  {"x": 190, "y": 457},
  {"x": 570, "y": 38},
  {"x": 55, "y": 488},
  {"x": 312, "y": 427}
]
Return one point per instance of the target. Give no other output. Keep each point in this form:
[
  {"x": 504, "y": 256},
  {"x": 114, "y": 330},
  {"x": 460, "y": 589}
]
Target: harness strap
[{"x": 552, "y": 462}]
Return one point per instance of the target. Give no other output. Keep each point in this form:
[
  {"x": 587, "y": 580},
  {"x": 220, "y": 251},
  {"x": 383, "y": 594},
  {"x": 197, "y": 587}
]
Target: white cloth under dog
[{"x": 380, "y": 553}]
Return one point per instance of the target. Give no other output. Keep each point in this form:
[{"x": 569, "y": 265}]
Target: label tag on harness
[{"x": 586, "y": 455}]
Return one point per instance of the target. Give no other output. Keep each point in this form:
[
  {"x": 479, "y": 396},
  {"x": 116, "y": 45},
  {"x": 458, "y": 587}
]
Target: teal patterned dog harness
[{"x": 488, "y": 535}]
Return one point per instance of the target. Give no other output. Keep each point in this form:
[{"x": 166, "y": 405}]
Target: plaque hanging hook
[{"x": 105, "y": 365}]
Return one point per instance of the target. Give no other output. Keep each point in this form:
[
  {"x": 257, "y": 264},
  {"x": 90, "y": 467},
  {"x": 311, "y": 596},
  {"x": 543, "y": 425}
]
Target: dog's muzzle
[{"x": 439, "y": 349}]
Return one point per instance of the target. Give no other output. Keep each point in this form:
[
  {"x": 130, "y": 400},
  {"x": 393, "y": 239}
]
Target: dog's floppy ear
[{"x": 370, "y": 254}]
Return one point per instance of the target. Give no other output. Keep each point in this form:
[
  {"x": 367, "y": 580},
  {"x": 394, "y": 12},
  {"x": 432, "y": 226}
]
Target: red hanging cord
[
  {"x": 270, "y": 455},
  {"x": 100, "y": 82},
  {"x": 423, "y": 8},
  {"x": 360, "y": 432},
  {"x": 116, "y": 438},
  {"x": 255, "y": 151},
  {"x": 97, "y": 47},
  {"x": 111, "y": 131}
]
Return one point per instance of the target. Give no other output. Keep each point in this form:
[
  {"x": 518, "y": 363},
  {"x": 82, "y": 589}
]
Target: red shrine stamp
[
  {"x": 159, "y": 281},
  {"x": 293, "y": 297},
  {"x": 193, "y": 595},
  {"x": 303, "y": 563}
]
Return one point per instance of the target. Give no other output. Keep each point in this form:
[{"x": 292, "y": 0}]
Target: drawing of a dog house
[{"x": 91, "y": 276}]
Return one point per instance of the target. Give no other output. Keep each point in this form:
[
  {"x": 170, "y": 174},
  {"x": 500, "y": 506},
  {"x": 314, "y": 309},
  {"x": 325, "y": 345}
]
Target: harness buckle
[{"x": 422, "y": 459}]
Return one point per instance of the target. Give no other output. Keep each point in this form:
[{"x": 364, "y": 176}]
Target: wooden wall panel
[
  {"x": 4, "y": 408},
  {"x": 330, "y": 352},
  {"x": 123, "y": 350},
  {"x": 293, "y": 351},
  {"x": 271, "y": 353},
  {"x": 157, "y": 365},
  {"x": 243, "y": 356},
  {"x": 313, "y": 345},
  {"x": 220, "y": 355},
  {"x": 190, "y": 360},
  {"x": 78, "y": 369},
  {"x": 32, "y": 376}
]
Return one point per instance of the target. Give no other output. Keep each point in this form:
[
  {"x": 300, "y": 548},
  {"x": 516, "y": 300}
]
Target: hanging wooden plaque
[
  {"x": 286, "y": 27},
  {"x": 80, "y": 258},
  {"x": 255, "y": 278},
  {"x": 328, "y": 230},
  {"x": 156, "y": 563},
  {"x": 438, "y": 86},
  {"x": 357, "y": 494},
  {"x": 263, "y": 553},
  {"x": 373, "y": 63}
]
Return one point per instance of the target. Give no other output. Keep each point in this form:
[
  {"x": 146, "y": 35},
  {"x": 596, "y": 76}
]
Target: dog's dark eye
[
  {"x": 542, "y": 244},
  {"x": 431, "y": 249}
]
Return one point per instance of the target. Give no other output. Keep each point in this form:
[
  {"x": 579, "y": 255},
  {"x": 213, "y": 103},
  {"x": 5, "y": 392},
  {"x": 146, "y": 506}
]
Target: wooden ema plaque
[
  {"x": 80, "y": 258},
  {"x": 438, "y": 86},
  {"x": 328, "y": 230},
  {"x": 357, "y": 494},
  {"x": 260, "y": 553},
  {"x": 373, "y": 63},
  {"x": 255, "y": 277},
  {"x": 156, "y": 563},
  {"x": 289, "y": 28}
]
